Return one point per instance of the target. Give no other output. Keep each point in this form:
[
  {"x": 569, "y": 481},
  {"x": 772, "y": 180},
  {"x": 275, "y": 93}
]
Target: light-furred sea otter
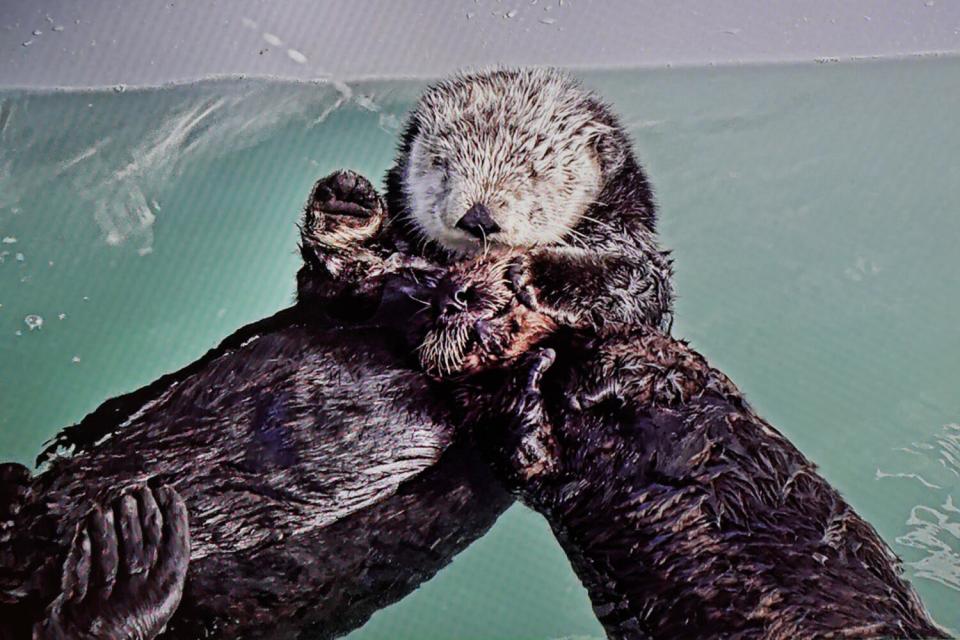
[
  {"x": 684, "y": 513},
  {"x": 522, "y": 162},
  {"x": 295, "y": 522}
]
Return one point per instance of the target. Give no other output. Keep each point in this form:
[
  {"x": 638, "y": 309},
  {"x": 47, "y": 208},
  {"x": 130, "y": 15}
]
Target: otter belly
[{"x": 323, "y": 479}]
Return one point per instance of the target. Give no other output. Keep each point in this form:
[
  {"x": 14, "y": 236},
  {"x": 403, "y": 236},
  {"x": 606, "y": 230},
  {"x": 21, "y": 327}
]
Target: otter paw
[
  {"x": 125, "y": 571},
  {"x": 518, "y": 277},
  {"x": 344, "y": 210},
  {"x": 529, "y": 450}
]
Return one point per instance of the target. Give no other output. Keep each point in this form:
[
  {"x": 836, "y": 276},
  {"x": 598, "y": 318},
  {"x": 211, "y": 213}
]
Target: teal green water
[{"x": 814, "y": 212}]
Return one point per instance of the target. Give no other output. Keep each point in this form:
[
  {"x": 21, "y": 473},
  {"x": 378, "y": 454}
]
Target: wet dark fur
[
  {"x": 323, "y": 476},
  {"x": 684, "y": 513}
]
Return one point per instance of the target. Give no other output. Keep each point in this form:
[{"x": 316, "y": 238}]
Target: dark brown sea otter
[
  {"x": 683, "y": 512},
  {"x": 323, "y": 474}
]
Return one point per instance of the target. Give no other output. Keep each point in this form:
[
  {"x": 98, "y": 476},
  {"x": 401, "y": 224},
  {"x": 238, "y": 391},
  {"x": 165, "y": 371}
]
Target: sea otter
[
  {"x": 323, "y": 474},
  {"x": 585, "y": 156},
  {"x": 520, "y": 160},
  {"x": 685, "y": 514}
]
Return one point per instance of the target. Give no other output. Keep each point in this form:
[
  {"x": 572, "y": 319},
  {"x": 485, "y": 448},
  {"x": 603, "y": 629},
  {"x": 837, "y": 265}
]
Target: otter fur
[
  {"x": 684, "y": 513},
  {"x": 323, "y": 475},
  {"x": 524, "y": 162}
]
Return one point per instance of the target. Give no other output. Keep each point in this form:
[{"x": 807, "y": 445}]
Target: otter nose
[
  {"x": 451, "y": 297},
  {"x": 478, "y": 222}
]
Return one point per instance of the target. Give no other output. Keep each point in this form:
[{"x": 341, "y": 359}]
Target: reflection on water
[
  {"x": 933, "y": 526},
  {"x": 812, "y": 211}
]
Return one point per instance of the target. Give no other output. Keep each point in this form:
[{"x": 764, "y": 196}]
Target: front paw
[
  {"x": 518, "y": 277},
  {"x": 344, "y": 210},
  {"x": 528, "y": 451}
]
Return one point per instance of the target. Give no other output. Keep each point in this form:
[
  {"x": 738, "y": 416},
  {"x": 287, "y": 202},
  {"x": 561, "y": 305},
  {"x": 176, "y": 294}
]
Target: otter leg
[
  {"x": 125, "y": 572},
  {"x": 15, "y": 492}
]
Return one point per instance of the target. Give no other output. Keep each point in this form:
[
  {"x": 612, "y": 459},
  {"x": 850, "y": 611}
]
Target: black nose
[
  {"x": 478, "y": 222},
  {"x": 450, "y": 297}
]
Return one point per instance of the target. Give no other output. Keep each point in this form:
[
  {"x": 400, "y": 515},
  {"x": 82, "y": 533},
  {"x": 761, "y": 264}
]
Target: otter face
[
  {"x": 476, "y": 321},
  {"x": 510, "y": 158}
]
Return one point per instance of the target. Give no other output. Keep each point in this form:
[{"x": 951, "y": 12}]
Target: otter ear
[{"x": 609, "y": 147}]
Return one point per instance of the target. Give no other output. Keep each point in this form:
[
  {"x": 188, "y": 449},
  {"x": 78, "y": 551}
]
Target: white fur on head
[{"x": 526, "y": 143}]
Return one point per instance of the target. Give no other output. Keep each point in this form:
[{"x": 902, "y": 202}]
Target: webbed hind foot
[{"x": 125, "y": 571}]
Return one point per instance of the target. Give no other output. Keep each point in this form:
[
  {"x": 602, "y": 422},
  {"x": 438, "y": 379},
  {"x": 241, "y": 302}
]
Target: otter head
[
  {"x": 475, "y": 322},
  {"x": 507, "y": 157}
]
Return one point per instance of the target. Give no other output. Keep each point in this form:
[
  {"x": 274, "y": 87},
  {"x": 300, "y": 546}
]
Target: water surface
[{"x": 813, "y": 210}]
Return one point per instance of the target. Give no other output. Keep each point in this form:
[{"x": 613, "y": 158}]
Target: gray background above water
[{"x": 145, "y": 42}]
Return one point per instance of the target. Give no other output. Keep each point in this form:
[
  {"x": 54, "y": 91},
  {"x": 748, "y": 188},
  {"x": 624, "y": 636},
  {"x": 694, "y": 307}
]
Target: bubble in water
[
  {"x": 9, "y": 240},
  {"x": 62, "y": 316},
  {"x": 27, "y": 43},
  {"x": 510, "y": 14},
  {"x": 547, "y": 20},
  {"x": 75, "y": 359},
  {"x": 37, "y": 32},
  {"x": 58, "y": 28},
  {"x": 120, "y": 88},
  {"x": 21, "y": 257},
  {"x": 33, "y": 321}
]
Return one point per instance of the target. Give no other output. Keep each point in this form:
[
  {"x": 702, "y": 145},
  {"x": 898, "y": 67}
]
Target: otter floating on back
[{"x": 525, "y": 187}]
